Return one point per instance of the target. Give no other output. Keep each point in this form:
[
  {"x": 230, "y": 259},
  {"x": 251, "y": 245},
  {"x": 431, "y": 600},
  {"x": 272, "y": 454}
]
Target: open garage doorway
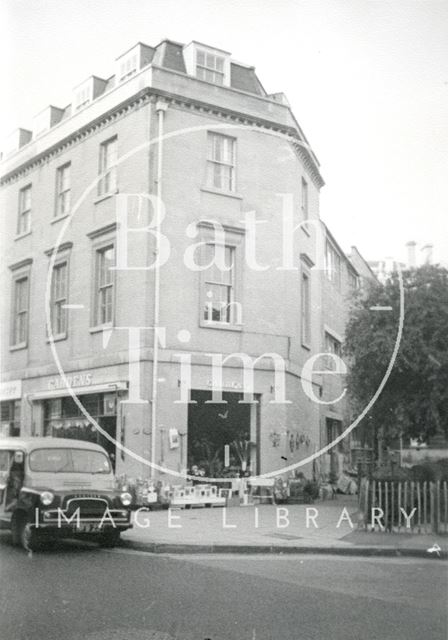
[{"x": 222, "y": 438}]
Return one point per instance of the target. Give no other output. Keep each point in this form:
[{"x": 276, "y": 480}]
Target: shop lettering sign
[
  {"x": 11, "y": 390},
  {"x": 77, "y": 380},
  {"x": 233, "y": 384}
]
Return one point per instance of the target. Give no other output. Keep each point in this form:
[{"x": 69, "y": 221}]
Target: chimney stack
[
  {"x": 412, "y": 262},
  {"x": 427, "y": 253}
]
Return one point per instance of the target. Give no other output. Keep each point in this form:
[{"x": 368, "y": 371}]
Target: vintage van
[{"x": 58, "y": 487}]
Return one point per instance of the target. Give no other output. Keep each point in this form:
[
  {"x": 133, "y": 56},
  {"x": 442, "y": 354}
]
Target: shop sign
[
  {"x": 174, "y": 438},
  {"x": 233, "y": 384},
  {"x": 11, "y": 390},
  {"x": 77, "y": 380}
]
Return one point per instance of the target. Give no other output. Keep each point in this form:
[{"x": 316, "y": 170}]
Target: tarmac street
[{"x": 80, "y": 592}]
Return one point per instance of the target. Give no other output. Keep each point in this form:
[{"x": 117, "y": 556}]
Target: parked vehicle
[{"x": 59, "y": 487}]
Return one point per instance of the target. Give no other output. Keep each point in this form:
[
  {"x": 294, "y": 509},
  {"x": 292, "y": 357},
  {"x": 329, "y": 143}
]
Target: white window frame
[
  {"x": 107, "y": 167},
  {"x": 98, "y": 288},
  {"x": 219, "y": 166},
  {"x": 210, "y": 67},
  {"x": 58, "y": 301},
  {"x": 129, "y": 66},
  {"x": 63, "y": 193},
  {"x": 305, "y": 200},
  {"x": 24, "y": 212},
  {"x": 333, "y": 264},
  {"x": 227, "y": 307},
  {"x": 305, "y": 308},
  {"x": 15, "y": 343},
  {"x": 333, "y": 346}
]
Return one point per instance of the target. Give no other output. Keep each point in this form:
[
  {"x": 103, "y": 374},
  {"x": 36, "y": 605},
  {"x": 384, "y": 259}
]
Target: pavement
[{"x": 321, "y": 528}]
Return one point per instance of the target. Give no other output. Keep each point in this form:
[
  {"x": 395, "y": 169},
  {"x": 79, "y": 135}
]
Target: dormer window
[
  {"x": 128, "y": 67},
  {"x": 83, "y": 97},
  {"x": 207, "y": 63},
  {"x": 86, "y": 92},
  {"x": 46, "y": 119},
  {"x": 210, "y": 67},
  {"x": 130, "y": 62}
]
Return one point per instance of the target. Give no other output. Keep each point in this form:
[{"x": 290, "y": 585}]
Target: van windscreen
[{"x": 69, "y": 461}]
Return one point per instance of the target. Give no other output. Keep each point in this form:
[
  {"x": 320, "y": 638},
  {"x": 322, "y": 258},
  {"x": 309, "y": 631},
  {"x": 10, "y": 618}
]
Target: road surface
[{"x": 80, "y": 592}]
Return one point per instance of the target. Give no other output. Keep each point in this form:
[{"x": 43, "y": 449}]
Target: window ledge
[
  {"x": 58, "y": 338},
  {"x": 229, "y": 194},
  {"x": 58, "y": 218},
  {"x": 105, "y": 196},
  {"x": 17, "y": 347},
  {"x": 304, "y": 228},
  {"x": 22, "y": 235},
  {"x": 221, "y": 325},
  {"x": 100, "y": 327}
]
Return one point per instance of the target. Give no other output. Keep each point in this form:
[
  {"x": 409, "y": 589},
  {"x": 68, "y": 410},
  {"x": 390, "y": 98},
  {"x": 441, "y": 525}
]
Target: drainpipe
[{"x": 161, "y": 107}]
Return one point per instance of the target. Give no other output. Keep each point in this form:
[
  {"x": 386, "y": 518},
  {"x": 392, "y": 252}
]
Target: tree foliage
[{"x": 414, "y": 401}]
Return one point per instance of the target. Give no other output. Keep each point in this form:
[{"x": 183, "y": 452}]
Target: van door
[{"x": 6, "y": 457}]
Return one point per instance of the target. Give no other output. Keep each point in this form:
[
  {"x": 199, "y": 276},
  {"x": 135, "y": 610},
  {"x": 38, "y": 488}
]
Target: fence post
[
  {"x": 432, "y": 518},
  {"x": 445, "y": 505},
  {"x": 425, "y": 506},
  {"x": 419, "y": 508},
  {"x": 386, "y": 503}
]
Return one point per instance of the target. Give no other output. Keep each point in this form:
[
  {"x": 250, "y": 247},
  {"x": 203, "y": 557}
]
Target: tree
[{"x": 414, "y": 401}]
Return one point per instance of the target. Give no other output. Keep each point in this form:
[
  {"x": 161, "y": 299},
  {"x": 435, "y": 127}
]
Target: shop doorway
[{"x": 222, "y": 438}]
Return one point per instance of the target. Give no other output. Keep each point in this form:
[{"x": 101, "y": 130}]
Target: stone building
[{"x": 105, "y": 292}]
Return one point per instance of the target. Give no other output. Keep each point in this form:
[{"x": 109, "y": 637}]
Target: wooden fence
[{"x": 404, "y": 507}]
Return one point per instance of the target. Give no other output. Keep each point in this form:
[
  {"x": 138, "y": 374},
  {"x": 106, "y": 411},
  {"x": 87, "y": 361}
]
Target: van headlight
[
  {"x": 126, "y": 499},
  {"x": 46, "y": 497}
]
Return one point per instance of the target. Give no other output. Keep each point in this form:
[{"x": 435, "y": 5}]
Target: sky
[{"x": 367, "y": 81}]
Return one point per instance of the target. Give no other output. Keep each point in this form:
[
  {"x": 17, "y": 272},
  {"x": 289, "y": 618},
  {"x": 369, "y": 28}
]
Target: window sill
[
  {"x": 58, "y": 338},
  {"x": 221, "y": 325},
  {"x": 218, "y": 192},
  {"x": 58, "y": 218},
  {"x": 18, "y": 347},
  {"x": 22, "y": 235},
  {"x": 101, "y": 327},
  {"x": 105, "y": 196},
  {"x": 304, "y": 228}
]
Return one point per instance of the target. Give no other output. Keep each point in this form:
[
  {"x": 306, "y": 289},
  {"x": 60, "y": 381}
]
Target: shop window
[
  {"x": 10, "y": 418},
  {"x": 64, "y": 419}
]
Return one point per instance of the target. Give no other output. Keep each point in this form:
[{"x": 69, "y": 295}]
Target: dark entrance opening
[{"x": 211, "y": 427}]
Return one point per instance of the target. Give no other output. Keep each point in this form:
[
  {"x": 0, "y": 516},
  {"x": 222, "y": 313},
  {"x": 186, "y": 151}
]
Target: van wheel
[
  {"x": 15, "y": 529},
  {"x": 23, "y": 533},
  {"x": 109, "y": 539}
]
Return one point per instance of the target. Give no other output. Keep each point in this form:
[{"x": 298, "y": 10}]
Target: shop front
[
  {"x": 57, "y": 414},
  {"x": 10, "y": 407}
]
